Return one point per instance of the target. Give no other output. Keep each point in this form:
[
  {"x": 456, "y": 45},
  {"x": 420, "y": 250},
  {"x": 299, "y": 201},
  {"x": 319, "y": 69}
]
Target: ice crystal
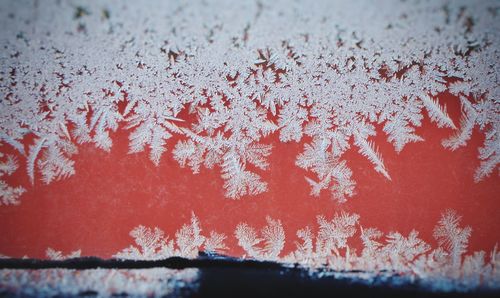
[
  {"x": 219, "y": 81},
  {"x": 154, "y": 282},
  {"x": 9, "y": 195},
  {"x": 324, "y": 250},
  {"x": 272, "y": 237},
  {"x": 152, "y": 244},
  {"x": 53, "y": 254}
]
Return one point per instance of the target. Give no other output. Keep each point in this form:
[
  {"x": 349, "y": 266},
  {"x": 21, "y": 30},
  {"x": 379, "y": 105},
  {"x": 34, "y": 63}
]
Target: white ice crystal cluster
[
  {"x": 153, "y": 245},
  {"x": 153, "y": 282},
  {"x": 221, "y": 76},
  {"x": 324, "y": 250},
  {"x": 444, "y": 268},
  {"x": 9, "y": 195},
  {"x": 53, "y": 254}
]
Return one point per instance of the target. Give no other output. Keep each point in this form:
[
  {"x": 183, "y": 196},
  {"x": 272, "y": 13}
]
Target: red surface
[{"x": 112, "y": 193}]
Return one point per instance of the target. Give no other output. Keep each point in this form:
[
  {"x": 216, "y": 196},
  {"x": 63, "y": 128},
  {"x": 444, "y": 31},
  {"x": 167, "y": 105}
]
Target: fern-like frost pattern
[{"x": 329, "y": 74}]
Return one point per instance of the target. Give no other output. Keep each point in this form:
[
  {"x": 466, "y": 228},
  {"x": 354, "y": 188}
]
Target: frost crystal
[
  {"x": 9, "y": 195},
  {"x": 153, "y": 245},
  {"x": 53, "y": 254},
  {"x": 451, "y": 236},
  {"x": 154, "y": 282},
  {"x": 444, "y": 268},
  {"x": 328, "y": 249},
  {"x": 220, "y": 81},
  {"x": 273, "y": 237}
]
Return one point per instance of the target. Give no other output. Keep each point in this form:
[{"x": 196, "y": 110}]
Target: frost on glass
[
  {"x": 332, "y": 74},
  {"x": 9, "y": 195},
  {"x": 154, "y": 282},
  {"x": 152, "y": 244},
  {"x": 327, "y": 249},
  {"x": 446, "y": 267}
]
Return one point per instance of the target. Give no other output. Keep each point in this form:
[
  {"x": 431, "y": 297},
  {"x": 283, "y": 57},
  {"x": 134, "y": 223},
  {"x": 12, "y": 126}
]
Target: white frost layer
[
  {"x": 328, "y": 250},
  {"x": 330, "y": 70},
  {"x": 156, "y": 282},
  {"x": 393, "y": 259}
]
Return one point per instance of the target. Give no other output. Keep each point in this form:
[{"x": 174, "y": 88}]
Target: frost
[
  {"x": 333, "y": 234},
  {"x": 328, "y": 169},
  {"x": 267, "y": 246},
  {"x": 155, "y": 282},
  {"x": 213, "y": 84},
  {"x": 53, "y": 254},
  {"x": 443, "y": 268},
  {"x": 215, "y": 243},
  {"x": 189, "y": 239},
  {"x": 452, "y": 237},
  {"x": 327, "y": 249},
  {"x": 401, "y": 251},
  {"x": 9, "y": 195},
  {"x": 436, "y": 112},
  {"x": 152, "y": 244}
]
